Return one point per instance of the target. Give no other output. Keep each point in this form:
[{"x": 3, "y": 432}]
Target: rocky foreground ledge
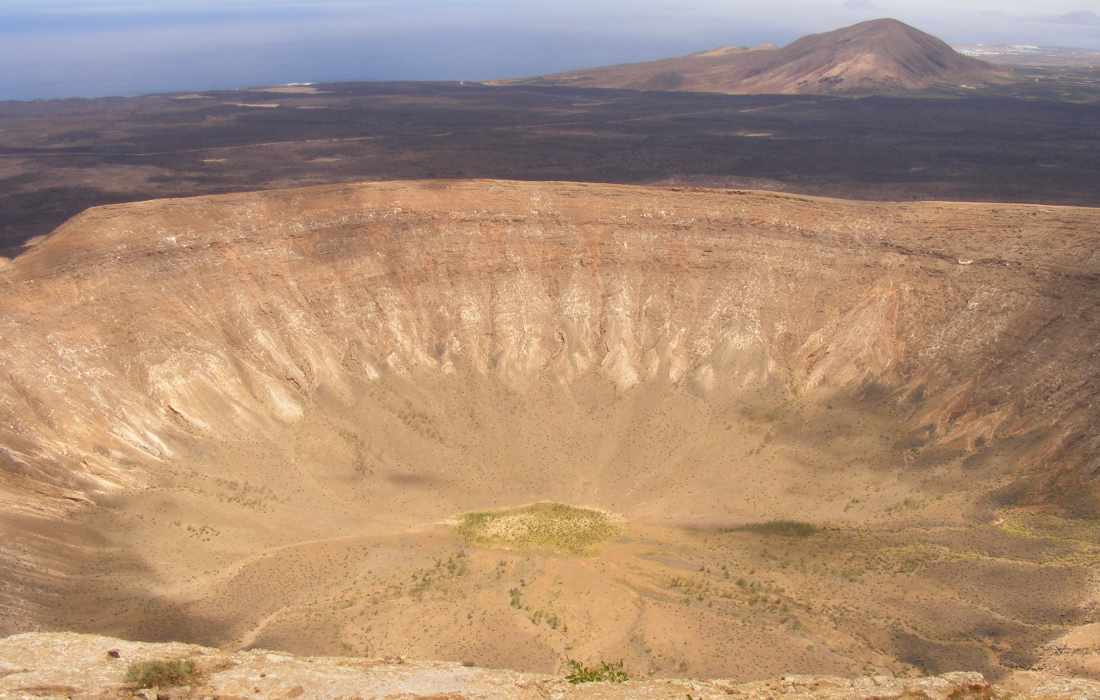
[{"x": 64, "y": 665}]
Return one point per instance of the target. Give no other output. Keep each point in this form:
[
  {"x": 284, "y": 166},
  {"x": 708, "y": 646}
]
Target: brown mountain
[{"x": 882, "y": 55}]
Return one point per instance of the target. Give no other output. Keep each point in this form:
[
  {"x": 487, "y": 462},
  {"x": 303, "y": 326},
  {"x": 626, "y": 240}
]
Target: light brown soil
[
  {"x": 82, "y": 667},
  {"x": 251, "y": 420}
]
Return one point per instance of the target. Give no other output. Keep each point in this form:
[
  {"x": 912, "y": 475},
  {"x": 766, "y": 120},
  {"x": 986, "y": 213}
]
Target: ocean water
[{"x": 127, "y": 52}]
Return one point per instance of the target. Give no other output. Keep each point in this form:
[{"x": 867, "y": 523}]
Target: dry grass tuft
[
  {"x": 160, "y": 673},
  {"x": 603, "y": 673}
]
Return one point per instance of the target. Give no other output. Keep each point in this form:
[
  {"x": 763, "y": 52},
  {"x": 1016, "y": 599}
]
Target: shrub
[
  {"x": 604, "y": 673},
  {"x": 160, "y": 674}
]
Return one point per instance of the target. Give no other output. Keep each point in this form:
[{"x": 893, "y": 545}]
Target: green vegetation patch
[
  {"x": 1072, "y": 541},
  {"x": 542, "y": 525},
  {"x": 781, "y": 528},
  {"x": 603, "y": 673},
  {"x": 1084, "y": 532},
  {"x": 161, "y": 674}
]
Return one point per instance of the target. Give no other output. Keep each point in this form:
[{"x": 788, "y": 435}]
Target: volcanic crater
[{"x": 711, "y": 433}]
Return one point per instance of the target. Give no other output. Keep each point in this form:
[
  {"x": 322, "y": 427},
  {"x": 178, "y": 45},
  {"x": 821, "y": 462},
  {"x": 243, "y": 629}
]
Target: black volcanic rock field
[
  {"x": 58, "y": 158},
  {"x": 712, "y": 433}
]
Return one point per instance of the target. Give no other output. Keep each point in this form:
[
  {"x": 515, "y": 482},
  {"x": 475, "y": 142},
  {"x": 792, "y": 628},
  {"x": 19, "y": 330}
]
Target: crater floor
[{"x": 827, "y": 437}]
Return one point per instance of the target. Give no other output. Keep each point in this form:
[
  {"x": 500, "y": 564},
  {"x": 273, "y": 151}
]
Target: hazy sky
[{"x": 53, "y": 48}]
